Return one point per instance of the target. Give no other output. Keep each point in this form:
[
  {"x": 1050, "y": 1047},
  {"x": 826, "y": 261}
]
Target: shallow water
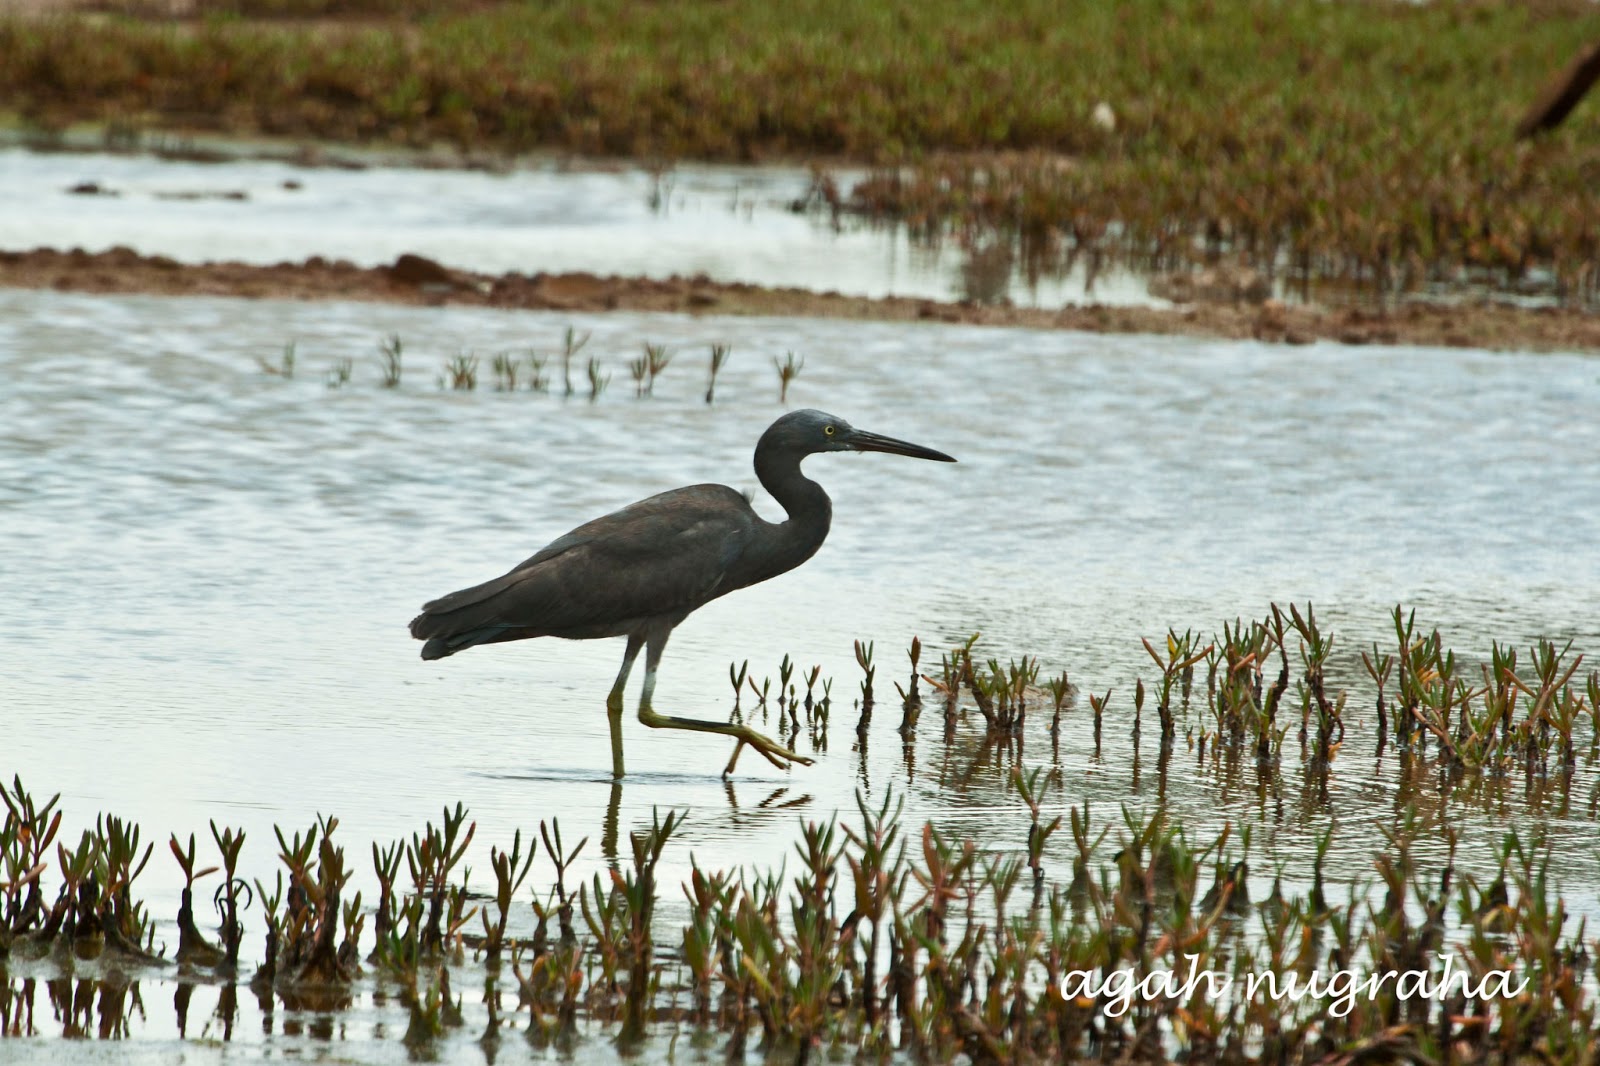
[
  {"x": 210, "y": 570},
  {"x": 733, "y": 224}
]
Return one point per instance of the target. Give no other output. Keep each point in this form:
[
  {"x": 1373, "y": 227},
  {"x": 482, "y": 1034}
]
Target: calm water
[
  {"x": 209, "y": 570},
  {"x": 733, "y": 224}
]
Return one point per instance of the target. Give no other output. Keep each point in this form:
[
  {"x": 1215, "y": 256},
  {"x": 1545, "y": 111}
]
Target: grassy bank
[{"x": 1370, "y": 142}]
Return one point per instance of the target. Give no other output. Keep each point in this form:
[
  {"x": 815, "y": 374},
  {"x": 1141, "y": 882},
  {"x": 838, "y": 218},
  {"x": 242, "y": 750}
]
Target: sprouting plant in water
[
  {"x": 537, "y": 381},
  {"x": 1028, "y": 786},
  {"x": 508, "y": 876},
  {"x": 788, "y": 370},
  {"x": 571, "y": 344},
  {"x": 657, "y": 356},
  {"x": 1060, "y": 689},
  {"x": 597, "y": 380},
  {"x": 785, "y": 671},
  {"x": 1097, "y": 704},
  {"x": 461, "y": 371},
  {"x": 1176, "y": 667},
  {"x": 736, "y": 678},
  {"x": 505, "y": 366},
  {"x": 719, "y": 357},
  {"x": 639, "y": 368},
  {"x": 391, "y": 351},
  {"x": 864, "y": 660},
  {"x": 339, "y": 373},
  {"x": 192, "y": 946},
  {"x": 911, "y": 698},
  {"x": 230, "y": 842},
  {"x": 284, "y": 368}
]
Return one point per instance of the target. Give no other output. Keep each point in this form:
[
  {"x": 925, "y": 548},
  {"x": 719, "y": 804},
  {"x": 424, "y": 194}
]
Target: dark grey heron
[{"x": 638, "y": 572}]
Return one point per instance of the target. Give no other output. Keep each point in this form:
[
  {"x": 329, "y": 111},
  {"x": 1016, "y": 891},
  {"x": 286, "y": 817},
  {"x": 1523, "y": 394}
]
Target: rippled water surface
[
  {"x": 208, "y": 569},
  {"x": 733, "y": 224}
]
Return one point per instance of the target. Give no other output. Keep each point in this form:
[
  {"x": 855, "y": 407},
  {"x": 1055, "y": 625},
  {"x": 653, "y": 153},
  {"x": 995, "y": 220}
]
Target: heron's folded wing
[{"x": 664, "y": 555}]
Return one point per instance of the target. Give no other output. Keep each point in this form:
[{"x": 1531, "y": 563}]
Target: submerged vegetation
[
  {"x": 526, "y": 370},
  {"x": 1085, "y": 932},
  {"x": 1369, "y": 143}
]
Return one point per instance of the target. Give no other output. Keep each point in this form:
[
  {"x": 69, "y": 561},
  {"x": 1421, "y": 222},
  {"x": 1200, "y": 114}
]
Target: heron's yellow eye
[{"x": 828, "y": 430}]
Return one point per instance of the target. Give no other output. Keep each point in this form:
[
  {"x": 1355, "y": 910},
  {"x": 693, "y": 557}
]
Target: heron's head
[{"x": 806, "y": 432}]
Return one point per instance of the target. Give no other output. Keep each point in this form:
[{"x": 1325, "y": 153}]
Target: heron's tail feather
[
  {"x": 439, "y": 647},
  {"x": 503, "y": 609}
]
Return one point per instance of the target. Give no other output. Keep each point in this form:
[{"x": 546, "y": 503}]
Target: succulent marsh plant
[
  {"x": 597, "y": 380},
  {"x": 391, "y": 360},
  {"x": 719, "y": 358},
  {"x": 788, "y": 369},
  {"x": 571, "y": 345},
  {"x": 284, "y": 367},
  {"x": 461, "y": 372}
]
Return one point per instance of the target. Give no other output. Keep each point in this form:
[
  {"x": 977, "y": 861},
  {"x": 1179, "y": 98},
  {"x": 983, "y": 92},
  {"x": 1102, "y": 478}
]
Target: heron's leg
[
  {"x": 775, "y": 753},
  {"x": 614, "y": 701}
]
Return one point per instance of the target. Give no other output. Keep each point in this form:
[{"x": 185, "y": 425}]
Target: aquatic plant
[
  {"x": 597, "y": 380},
  {"x": 284, "y": 367},
  {"x": 788, "y": 370},
  {"x": 193, "y": 948},
  {"x": 509, "y": 877},
  {"x": 339, "y": 373},
  {"x": 896, "y": 939},
  {"x": 537, "y": 381},
  {"x": 571, "y": 345},
  {"x": 506, "y": 367},
  {"x": 889, "y": 938},
  {"x": 657, "y": 356},
  {"x": 391, "y": 356},
  {"x": 911, "y": 698},
  {"x": 461, "y": 371},
  {"x": 719, "y": 357},
  {"x": 304, "y": 951},
  {"x": 736, "y": 678},
  {"x": 868, "y": 671}
]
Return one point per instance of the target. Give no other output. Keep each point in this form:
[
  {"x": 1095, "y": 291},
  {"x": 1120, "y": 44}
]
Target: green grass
[{"x": 1363, "y": 140}]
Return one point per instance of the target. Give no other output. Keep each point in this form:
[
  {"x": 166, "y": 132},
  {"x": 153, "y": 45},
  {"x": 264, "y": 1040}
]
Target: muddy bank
[{"x": 414, "y": 280}]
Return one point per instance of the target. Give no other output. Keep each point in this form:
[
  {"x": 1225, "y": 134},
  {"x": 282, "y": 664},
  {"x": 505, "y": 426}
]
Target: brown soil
[{"x": 414, "y": 280}]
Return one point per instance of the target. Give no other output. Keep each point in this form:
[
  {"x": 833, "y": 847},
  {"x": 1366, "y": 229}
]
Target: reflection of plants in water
[
  {"x": 792, "y": 956},
  {"x": 985, "y": 273},
  {"x": 893, "y": 937}
]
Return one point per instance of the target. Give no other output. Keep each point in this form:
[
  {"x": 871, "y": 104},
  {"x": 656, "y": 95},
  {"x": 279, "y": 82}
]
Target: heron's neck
[{"x": 809, "y": 509}]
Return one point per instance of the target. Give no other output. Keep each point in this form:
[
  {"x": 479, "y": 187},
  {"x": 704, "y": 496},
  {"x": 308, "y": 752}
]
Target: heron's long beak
[{"x": 863, "y": 441}]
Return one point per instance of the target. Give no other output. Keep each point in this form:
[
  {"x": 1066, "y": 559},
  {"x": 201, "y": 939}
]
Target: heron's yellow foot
[{"x": 771, "y": 750}]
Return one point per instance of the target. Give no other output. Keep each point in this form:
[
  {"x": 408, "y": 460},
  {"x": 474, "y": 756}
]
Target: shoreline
[{"x": 416, "y": 281}]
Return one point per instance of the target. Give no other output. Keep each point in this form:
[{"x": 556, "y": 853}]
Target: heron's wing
[{"x": 661, "y": 556}]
